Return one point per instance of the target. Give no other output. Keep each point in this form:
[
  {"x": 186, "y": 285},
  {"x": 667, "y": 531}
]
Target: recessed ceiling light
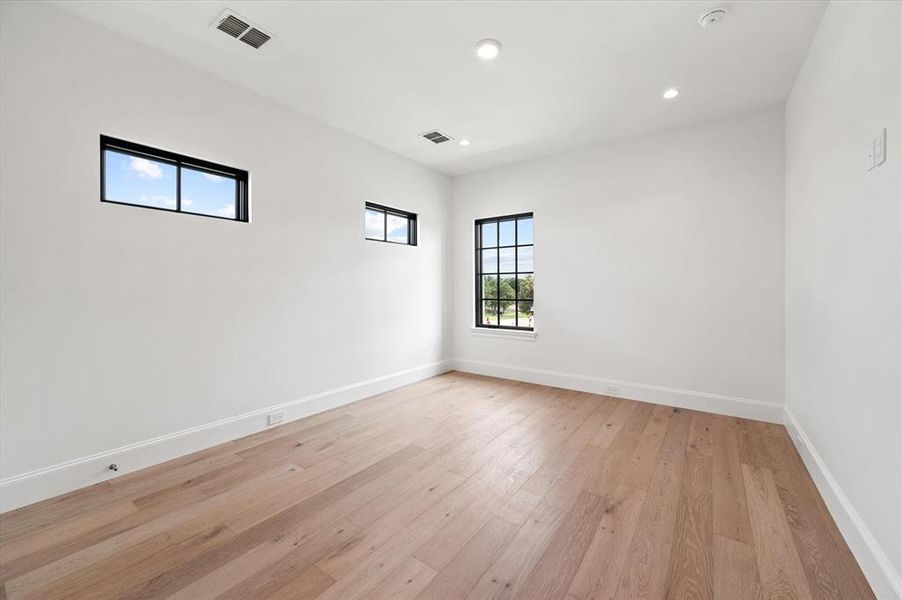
[
  {"x": 464, "y": 142},
  {"x": 488, "y": 49},
  {"x": 671, "y": 93}
]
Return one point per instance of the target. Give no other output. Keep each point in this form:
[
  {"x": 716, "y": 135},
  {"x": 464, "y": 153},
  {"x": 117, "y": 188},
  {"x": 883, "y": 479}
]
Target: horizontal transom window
[
  {"x": 139, "y": 175},
  {"x": 385, "y": 224}
]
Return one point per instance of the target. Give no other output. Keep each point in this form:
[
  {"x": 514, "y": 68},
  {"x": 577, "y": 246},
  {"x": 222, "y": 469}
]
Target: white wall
[
  {"x": 843, "y": 269},
  {"x": 659, "y": 261},
  {"x": 120, "y": 323}
]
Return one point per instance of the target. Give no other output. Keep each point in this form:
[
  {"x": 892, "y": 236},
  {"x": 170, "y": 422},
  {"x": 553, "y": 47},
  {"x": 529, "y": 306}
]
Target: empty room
[{"x": 450, "y": 299}]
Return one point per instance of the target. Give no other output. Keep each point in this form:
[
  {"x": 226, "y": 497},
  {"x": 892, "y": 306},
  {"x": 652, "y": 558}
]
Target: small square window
[{"x": 384, "y": 224}]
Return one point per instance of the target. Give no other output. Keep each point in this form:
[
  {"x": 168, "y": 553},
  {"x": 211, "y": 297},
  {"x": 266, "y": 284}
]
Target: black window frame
[
  {"x": 179, "y": 161},
  {"x": 387, "y": 210},
  {"x": 480, "y": 298}
]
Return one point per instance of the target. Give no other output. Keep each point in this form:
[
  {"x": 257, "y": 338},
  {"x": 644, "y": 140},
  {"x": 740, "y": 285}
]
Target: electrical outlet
[
  {"x": 880, "y": 148},
  {"x": 613, "y": 390},
  {"x": 275, "y": 418}
]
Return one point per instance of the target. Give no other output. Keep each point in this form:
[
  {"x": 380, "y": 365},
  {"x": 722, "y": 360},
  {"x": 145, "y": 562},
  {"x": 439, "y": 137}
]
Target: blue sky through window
[
  {"x": 149, "y": 182},
  {"x": 506, "y": 233},
  {"x": 524, "y": 231},
  {"x": 389, "y": 225},
  {"x": 208, "y": 194},
  {"x": 375, "y": 224},
  {"x": 397, "y": 228},
  {"x": 141, "y": 181}
]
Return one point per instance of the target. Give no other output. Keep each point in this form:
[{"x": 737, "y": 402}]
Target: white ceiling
[{"x": 571, "y": 73}]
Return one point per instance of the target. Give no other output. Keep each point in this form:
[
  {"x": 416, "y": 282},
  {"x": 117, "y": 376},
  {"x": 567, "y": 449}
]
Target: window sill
[{"x": 510, "y": 334}]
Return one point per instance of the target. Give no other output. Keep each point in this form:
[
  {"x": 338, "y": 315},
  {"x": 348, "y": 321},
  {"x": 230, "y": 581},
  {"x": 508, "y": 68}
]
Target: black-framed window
[
  {"x": 385, "y": 224},
  {"x": 504, "y": 272},
  {"x": 139, "y": 175}
]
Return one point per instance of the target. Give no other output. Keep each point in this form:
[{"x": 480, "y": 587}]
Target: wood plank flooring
[{"x": 459, "y": 486}]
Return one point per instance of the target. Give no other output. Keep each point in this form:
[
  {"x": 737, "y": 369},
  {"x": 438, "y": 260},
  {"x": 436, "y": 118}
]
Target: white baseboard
[
  {"x": 759, "y": 410},
  {"x": 876, "y": 565},
  {"x": 27, "y": 488}
]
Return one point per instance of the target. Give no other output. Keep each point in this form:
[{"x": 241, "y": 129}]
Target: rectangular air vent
[
  {"x": 437, "y": 137},
  {"x": 255, "y": 38},
  {"x": 233, "y": 26},
  {"x": 241, "y": 29}
]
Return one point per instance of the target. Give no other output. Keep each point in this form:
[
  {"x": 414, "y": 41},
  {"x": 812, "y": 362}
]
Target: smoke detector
[
  {"x": 712, "y": 17},
  {"x": 242, "y": 29}
]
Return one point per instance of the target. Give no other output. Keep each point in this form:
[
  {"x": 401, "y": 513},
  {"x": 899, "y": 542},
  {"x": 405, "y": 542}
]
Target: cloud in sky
[
  {"x": 226, "y": 211},
  {"x": 161, "y": 201},
  {"x": 145, "y": 169},
  {"x": 375, "y": 224},
  {"x": 397, "y": 228},
  {"x": 211, "y": 177}
]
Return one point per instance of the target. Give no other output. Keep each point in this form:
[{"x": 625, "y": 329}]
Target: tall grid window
[{"x": 504, "y": 272}]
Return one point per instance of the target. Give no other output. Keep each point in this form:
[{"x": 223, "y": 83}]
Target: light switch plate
[
  {"x": 870, "y": 163},
  {"x": 880, "y": 148}
]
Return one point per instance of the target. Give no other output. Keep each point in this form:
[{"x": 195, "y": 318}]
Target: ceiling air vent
[
  {"x": 242, "y": 29},
  {"x": 255, "y": 38},
  {"x": 437, "y": 137}
]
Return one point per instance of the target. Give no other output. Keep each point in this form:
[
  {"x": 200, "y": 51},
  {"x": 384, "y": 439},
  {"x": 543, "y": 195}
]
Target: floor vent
[
  {"x": 241, "y": 29},
  {"x": 437, "y": 137}
]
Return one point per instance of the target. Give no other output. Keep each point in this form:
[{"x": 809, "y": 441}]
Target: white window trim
[{"x": 510, "y": 334}]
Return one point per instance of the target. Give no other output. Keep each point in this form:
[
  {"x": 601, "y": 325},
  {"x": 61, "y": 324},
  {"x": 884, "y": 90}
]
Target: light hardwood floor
[{"x": 459, "y": 486}]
